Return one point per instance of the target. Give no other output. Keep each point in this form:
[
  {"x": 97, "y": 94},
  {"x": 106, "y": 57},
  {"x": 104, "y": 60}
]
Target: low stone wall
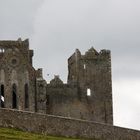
[{"x": 60, "y": 126}]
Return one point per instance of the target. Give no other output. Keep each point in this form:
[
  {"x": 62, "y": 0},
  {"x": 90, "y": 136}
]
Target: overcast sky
[{"x": 57, "y": 27}]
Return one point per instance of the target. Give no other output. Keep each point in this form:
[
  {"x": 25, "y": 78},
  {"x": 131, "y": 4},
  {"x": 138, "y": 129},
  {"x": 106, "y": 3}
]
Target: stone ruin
[{"x": 87, "y": 94}]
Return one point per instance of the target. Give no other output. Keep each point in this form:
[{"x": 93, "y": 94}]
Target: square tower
[{"x": 92, "y": 74}]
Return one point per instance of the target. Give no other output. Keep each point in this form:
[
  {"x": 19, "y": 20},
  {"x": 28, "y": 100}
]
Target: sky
[{"x": 55, "y": 28}]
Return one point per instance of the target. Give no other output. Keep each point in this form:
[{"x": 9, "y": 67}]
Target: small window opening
[
  {"x": 88, "y": 92},
  {"x": 2, "y": 96},
  {"x": 84, "y": 66},
  {"x": 14, "y": 96},
  {"x": 26, "y": 96}
]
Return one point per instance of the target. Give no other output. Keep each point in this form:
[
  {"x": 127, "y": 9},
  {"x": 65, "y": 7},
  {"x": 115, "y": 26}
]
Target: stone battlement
[{"x": 12, "y": 44}]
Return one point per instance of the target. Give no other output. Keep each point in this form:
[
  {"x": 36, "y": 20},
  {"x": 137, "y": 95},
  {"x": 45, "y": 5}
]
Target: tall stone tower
[{"x": 92, "y": 74}]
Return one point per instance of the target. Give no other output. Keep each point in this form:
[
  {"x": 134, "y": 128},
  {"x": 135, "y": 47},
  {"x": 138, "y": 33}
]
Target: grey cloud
[
  {"x": 17, "y": 17},
  {"x": 64, "y": 25}
]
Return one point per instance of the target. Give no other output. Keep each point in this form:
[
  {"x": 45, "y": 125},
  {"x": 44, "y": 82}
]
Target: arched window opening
[
  {"x": 14, "y": 96},
  {"x": 88, "y": 92},
  {"x": 26, "y": 96},
  {"x": 2, "y": 95}
]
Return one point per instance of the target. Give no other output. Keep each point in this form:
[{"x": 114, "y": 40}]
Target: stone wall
[
  {"x": 64, "y": 101},
  {"x": 60, "y": 126}
]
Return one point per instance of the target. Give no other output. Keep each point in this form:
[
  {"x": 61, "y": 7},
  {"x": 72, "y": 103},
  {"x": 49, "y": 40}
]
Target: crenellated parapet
[
  {"x": 12, "y": 44},
  {"x": 93, "y": 54},
  {"x": 89, "y": 55}
]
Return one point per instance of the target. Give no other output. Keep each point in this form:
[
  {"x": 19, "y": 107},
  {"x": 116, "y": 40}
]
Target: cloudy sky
[{"x": 57, "y": 27}]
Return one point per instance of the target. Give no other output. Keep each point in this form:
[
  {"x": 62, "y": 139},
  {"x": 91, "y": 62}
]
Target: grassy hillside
[{"x": 14, "y": 134}]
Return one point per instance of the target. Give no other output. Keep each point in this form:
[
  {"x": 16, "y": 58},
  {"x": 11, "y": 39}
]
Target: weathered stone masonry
[
  {"x": 87, "y": 94},
  {"x": 61, "y": 126},
  {"x": 26, "y": 98}
]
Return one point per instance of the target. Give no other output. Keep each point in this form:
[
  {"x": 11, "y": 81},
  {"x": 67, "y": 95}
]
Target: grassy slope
[{"x": 13, "y": 134}]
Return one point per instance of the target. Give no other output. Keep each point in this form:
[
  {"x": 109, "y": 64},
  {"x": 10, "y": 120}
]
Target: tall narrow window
[
  {"x": 14, "y": 96},
  {"x": 26, "y": 96},
  {"x": 88, "y": 92},
  {"x": 2, "y": 95},
  {"x": 48, "y": 100},
  {"x": 84, "y": 66}
]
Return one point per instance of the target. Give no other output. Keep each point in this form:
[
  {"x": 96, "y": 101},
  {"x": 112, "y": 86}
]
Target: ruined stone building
[
  {"x": 87, "y": 94},
  {"x": 82, "y": 108}
]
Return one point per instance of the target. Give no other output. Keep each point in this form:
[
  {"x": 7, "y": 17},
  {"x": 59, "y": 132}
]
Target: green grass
[{"x": 14, "y": 134}]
